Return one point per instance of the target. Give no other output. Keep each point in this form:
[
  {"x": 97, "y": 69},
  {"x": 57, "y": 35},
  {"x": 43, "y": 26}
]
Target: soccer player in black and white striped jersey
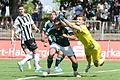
[{"x": 24, "y": 25}]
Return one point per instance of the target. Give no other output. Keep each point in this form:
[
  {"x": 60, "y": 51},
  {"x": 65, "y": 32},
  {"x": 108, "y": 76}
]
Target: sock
[
  {"x": 49, "y": 61},
  {"x": 27, "y": 58},
  {"x": 36, "y": 61},
  {"x": 89, "y": 59},
  {"x": 58, "y": 60},
  {"x": 75, "y": 66}
]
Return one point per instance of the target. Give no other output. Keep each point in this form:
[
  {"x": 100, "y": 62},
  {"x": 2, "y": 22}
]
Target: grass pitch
[{"x": 9, "y": 71}]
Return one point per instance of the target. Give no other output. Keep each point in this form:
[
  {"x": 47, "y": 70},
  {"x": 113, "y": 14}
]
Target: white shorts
[
  {"x": 55, "y": 46},
  {"x": 66, "y": 50}
]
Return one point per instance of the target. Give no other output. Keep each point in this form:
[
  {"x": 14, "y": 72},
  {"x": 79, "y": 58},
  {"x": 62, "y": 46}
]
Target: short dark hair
[
  {"x": 84, "y": 18},
  {"x": 54, "y": 12},
  {"x": 21, "y": 5}
]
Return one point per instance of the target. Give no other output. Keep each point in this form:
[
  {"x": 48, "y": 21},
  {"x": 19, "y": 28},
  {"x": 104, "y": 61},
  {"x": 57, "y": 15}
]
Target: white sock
[
  {"x": 36, "y": 61},
  {"x": 59, "y": 57},
  {"x": 27, "y": 57}
]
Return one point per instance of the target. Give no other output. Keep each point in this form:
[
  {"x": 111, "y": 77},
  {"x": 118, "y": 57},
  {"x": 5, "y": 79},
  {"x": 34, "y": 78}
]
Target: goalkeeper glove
[{"x": 60, "y": 17}]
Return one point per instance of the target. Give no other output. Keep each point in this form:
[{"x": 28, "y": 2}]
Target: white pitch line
[
  {"x": 26, "y": 78},
  {"x": 114, "y": 70}
]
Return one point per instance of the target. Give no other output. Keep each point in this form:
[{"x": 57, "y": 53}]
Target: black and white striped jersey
[{"x": 24, "y": 25}]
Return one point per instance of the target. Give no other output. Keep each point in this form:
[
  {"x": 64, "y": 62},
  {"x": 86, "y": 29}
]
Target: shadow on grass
[{"x": 60, "y": 75}]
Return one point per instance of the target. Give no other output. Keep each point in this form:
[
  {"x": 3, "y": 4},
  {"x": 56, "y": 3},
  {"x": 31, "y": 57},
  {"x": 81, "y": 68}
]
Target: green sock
[
  {"x": 75, "y": 66},
  {"x": 49, "y": 62},
  {"x": 58, "y": 60}
]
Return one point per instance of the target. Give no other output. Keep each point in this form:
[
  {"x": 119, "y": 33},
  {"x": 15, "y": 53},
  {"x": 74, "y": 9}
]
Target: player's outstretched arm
[
  {"x": 72, "y": 25},
  {"x": 68, "y": 23}
]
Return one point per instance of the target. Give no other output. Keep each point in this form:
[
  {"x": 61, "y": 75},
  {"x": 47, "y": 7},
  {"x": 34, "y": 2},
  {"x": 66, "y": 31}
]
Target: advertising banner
[{"x": 109, "y": 49}]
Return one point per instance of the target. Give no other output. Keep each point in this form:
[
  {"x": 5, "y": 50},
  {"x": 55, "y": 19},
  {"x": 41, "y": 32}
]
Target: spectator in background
[
  {"x": 103, "y": 13},
  {"x": 0, "y": 8},
  {"x": 62, "y": 10},
  {"x": 40, "y": 9},
  {"x": 90, "y": 12},
  {"x": 70, "y": 14},
  {"x": 35, "y": 14},
  {"x": 116, "y": 10},
  {"x": 5, "y": 12},
  {"x": 100, "y": 8},
  {"x": 5, "y": 3},
  {"x": 7, "y": 8},
  {"x": 78, "y": 9},
  {"x": 91, "y": 15}
]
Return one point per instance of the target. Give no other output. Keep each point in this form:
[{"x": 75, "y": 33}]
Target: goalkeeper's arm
[
  {"x": 69, "y": 24},
  {"x": 66, "y": 22}
]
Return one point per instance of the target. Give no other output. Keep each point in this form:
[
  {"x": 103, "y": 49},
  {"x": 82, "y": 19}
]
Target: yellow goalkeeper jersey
[{"x": 85, "y": 37}]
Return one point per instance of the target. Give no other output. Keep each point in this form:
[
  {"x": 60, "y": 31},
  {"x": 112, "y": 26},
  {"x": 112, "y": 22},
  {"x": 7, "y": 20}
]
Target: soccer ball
[{"x": 45, "y": 73}]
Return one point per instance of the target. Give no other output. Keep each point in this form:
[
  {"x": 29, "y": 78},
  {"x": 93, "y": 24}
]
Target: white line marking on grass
[
  {"x": 114, "y": 70},
  {"x": 56, "y": 74},
  {"x": 103, "y": 71},
  {"x": 26, "y": 78}
]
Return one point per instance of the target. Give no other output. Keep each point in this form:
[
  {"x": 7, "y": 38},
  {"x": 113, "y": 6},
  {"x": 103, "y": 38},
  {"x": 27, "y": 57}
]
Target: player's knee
[
  {"x": 52, "y": 51},
  {"x": 50, "y": 57},
  {"x": 96, "y": 63},
  {"x": 61, "y": 53}
]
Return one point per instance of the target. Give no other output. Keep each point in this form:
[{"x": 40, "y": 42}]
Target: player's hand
[
  {"x": 12, "y": 41},
  {"x": 64, "y": 35}
]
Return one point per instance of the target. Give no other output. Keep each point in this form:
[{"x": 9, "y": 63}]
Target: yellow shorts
[{"x": 94, "y": 52}]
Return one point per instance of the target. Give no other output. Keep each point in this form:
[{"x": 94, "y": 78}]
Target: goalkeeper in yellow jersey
[{"x": 91, "y": 47}]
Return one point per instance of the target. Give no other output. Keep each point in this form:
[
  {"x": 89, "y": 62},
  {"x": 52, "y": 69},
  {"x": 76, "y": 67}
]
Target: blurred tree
[
  {"x": 29, "y": 7},
  {"x": 14, "y": 4},
  {"x": 13, "y": 7}
]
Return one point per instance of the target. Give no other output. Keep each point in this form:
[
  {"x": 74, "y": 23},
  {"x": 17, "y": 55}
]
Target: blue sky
[
  {"x": 46, "y": 2},
  {"x": 49, "y": 4}
]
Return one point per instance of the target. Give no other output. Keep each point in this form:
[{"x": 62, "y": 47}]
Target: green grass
[{"x": 109, "y": 71}]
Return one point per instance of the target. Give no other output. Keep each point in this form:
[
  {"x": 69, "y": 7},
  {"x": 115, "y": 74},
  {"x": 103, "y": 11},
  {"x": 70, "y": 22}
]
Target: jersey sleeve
[
  {"x": 16, "y": 23},
  {"x": 70, "y": 31},
  {"x": 47, "y": 27},
  {"x": 31, "y": 20}
]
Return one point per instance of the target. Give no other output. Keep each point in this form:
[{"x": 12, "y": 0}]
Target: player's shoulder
[
  {"x": 27, "y": 13},
  {"x": 17, "y": 18},
  {"x": 83, "y": 26},
  {"x": 47, "y": 22}
]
